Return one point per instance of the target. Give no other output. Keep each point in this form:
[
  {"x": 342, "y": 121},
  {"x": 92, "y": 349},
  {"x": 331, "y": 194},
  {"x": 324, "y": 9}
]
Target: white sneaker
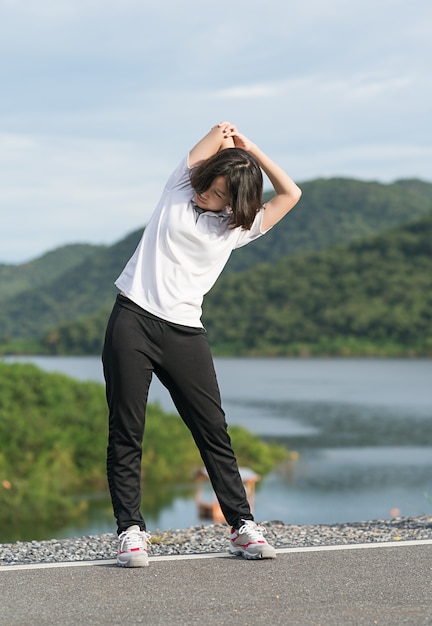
[
  {"x": 249, "y": 542},
  {"x": 132, "y": 550}
]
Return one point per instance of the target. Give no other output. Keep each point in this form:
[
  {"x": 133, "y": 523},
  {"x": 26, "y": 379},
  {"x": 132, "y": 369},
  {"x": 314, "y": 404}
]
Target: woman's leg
[
  {"x": 128, "y": 367},
  {"x": 188, "y": 373}
]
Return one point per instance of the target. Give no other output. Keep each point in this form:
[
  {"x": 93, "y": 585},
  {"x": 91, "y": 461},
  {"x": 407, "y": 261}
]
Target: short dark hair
[{"x": 244, "y": 181}]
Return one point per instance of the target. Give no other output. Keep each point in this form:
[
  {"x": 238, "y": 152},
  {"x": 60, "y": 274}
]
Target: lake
[{"x": 362, "y": 428}]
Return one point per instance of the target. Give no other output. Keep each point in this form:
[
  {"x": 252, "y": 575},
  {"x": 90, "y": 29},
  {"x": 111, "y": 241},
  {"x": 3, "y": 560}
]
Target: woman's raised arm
[
  {"x": 287, "y": 192},
  {"x": 210, "y": 144}
]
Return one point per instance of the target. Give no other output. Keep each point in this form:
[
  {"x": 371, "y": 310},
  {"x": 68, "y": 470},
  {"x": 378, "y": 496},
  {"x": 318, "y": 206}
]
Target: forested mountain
[
  {"x": 373, "y": 296},
  {"x": 15, "y": 279},
  {"x": 370, "y": 297},
  {"x": 80, "y": 290},
  {"x": 420, "y": 187},
  {"x": 331, "y": 212}
]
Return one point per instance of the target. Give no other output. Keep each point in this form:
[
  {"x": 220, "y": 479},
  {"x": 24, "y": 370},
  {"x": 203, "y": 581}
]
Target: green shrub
[{"x": 53, "y": 437}]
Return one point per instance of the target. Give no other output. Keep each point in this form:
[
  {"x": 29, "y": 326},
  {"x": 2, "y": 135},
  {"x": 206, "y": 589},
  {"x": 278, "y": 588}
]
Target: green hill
[
  {"x": 420, "y": 187},
  {"x": 15, "y": 279},
  {"x": 81, "y": 290},
  {"x": 330, "y": 212}
]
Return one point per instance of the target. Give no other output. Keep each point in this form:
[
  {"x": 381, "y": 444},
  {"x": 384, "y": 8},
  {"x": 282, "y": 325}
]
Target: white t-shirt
[{"x": 181, "y": 254}]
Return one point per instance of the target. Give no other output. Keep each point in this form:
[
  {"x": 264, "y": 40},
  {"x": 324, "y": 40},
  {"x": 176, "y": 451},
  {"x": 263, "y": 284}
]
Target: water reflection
[
  {"x": 358, "y": 468},
  {"x": 318, "y": 424}
]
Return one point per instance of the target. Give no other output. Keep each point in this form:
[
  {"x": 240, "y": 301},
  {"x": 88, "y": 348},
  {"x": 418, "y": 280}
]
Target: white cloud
[{"x": 246, "y": 92}]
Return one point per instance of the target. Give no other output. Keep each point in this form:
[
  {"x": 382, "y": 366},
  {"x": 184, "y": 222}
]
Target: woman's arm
[
  {"x": 287, "y": 192},
  {"x": 211, "y": 143}
]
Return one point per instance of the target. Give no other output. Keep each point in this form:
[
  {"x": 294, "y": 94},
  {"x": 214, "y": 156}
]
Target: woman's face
[{"x": 215, "y": 198}]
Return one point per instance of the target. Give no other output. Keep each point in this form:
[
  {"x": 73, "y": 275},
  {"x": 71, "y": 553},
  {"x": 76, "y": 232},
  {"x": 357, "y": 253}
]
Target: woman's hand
[
  {"x": 240, "y": 141},
  {"x": 218, "y": 138}
]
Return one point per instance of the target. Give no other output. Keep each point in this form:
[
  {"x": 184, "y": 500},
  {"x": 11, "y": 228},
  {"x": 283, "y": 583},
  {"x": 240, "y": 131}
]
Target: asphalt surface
[{"x": 387, "y": 584}]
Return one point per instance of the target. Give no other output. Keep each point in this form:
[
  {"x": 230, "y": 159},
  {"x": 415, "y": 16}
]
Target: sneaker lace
[
  {"x": 252, "y": 530},
  {"x": 132, "y": 539}
]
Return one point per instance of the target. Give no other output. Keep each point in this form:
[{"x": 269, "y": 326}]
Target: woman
[{"x": 211, "y": 204}]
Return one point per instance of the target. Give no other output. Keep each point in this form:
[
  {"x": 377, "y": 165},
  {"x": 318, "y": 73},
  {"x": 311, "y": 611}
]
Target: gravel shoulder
[{"x": 214, "y": 538}]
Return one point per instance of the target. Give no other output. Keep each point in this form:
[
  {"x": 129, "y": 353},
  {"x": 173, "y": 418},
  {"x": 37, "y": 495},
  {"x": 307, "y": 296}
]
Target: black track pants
[{"x": 136, "y": 345}]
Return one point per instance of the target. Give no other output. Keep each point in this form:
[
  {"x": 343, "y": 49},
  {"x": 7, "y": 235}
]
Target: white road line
[
  {"x": 218, "y": 555},
  {"x": 358, "y": 546}
]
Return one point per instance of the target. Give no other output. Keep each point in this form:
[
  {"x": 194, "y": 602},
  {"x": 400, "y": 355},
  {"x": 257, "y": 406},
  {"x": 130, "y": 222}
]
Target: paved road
[{"x": 385, "y": 585}]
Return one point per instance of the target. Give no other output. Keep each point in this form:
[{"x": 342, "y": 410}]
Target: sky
[{"x": 100, "y": 99}]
